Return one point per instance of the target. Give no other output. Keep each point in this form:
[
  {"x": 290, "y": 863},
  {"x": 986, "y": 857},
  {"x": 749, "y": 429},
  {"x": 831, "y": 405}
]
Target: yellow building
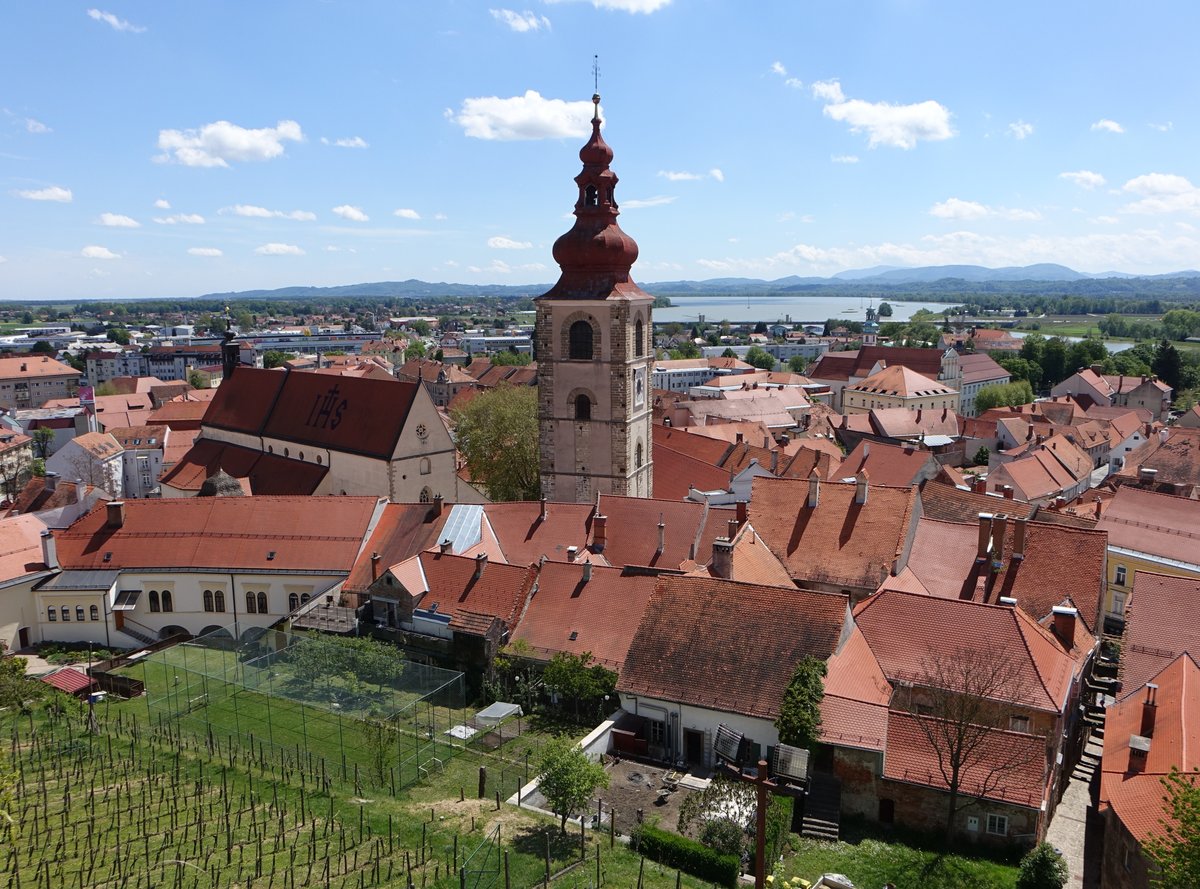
[
  {"x": 1147, "y": 532},
  {"x": 897, "y": 386}
]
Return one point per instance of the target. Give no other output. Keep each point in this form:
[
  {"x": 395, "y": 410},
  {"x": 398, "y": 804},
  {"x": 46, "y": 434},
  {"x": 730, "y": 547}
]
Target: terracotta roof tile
[
  {"x": 30, "y": 367},
  {"x": 854, "y": 709},
  {"x": 839, "y": 541},
  {"x": 1154, "y": 633},
  {"x": 499, "y": 590},
  {"x": 860, "y": 362},
  {"x": 403, "y": 531},
  {"x": 20, "y": 548},
  {"x": 568, "y": 614},
  {"x": 676, "y": 473},
  {"x": 700, "y": 642},
  {"x": 898, "y": 380},
  {"x": 320, "y": 534},
  {"x": 267, "y": 473},
  {"x": 888, "y": 464},
  {"x": 632, "y": 530},
  {"x": 1158, "y": 524},
  {"x": 524, "y": 537},
  {"x": 1174, "y": 453}
]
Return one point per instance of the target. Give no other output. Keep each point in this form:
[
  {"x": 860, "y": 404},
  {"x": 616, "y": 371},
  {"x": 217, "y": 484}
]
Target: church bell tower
[{"x": 595, "y": 350}]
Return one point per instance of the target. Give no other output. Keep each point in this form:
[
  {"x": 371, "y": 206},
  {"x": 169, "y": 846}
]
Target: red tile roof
[
  {"x": 27, "y": 368},
  {"x": 905, "y": 630},
  {"x": 403, "y": 531},
  {"x": 676, "y": 473},
  {"x": 843, "y": 365},
  {"x": 899, "y": 381},
  {"x": 1157, "y": 524},
  {"x": 1155, "y": 632},
  {"x": 245, "y": 406},
  {"x": 499, "y": 591},
  {"x": 524, "y": 537},
  {"x": 632, "y": 530},
  {"x": 1136, "y": 793},
  {"x": 897, "y": 466},
  {"x": 315, "y": 534},
  {"x": 939, "y": 501},
  {"x": 139, "y": 438},
  {"x": 568, "y": 614},
  {"x": 854, "y": 709},
  {"x": 180, "y": 414},
  {"x": 911, "y": 758},
  {"x": 20, "y": 547},
  {"x": 700, "y": 642},
  {"x": 1176, "y": 459},
  {"x": 838, "y": 542},
  {"x": 267, "y": 473},
  {"x": 70, "y": 680}
]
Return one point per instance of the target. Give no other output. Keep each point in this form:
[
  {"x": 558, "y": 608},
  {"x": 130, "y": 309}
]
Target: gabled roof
[
  {"x": 1174, "y": 453},
  {"x": 1157, "y": 524},
  {"x": 100, "y": 445},
  {"x": 1135, "y": 793},
  {"x": 899, "y": 381},
  {"x": 33, "y": 367},
  {"x": 900, "y": 422},
  {"x": 181, "y": 414},
  {"x": 567, "y": 613},
  {"x": 888, "y": 464},
  {"x": 905, "y": 630},
  {"x": 267, "y": 473},
  {"x": 978, "y": 367},
  {"x": 524, "y": 537},
  {"x": 632, "y": 530},
  {"x": 854, "y": 709},
  {"x": 676, "y": 473},
  {"x": 1157, "y": 628},
  {"x": 912, "y": 759},
  {"x": 498, "y": 591},
  {"x": 700, "y": 643},
  {"x": 139, "y": 438},
  {"x": 244, "y": 406},
  {"x": 69, "y": 680},
  {"x": 20, "y": 547},
  {"x": 403, "y": 531},
  {"x": 838, "y": 541},
  {"x": 314, "y": 534},
  {"x": 844, "y": 365},
  {"x": 707, "y": 448}
]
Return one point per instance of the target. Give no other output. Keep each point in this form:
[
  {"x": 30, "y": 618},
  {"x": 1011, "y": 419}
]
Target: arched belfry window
[
  {"x": 591, "y": 197},
  {"x": 580, "y": 340},
  {"x": 640, "y": 455},
  {"x": 583, "y": 407},
  {"x": 639, "y": 339}
]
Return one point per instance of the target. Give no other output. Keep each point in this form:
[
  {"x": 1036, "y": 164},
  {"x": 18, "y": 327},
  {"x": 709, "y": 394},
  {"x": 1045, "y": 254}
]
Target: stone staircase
[
  {"x": 142, "y": 634},
  {"x": 822, "y": 807}
]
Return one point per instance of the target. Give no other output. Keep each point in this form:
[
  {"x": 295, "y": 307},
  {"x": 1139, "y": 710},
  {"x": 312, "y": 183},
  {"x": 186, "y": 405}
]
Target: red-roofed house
[
  {"x": 94, "y": 457},
  {"x": 25, "y": 551},
  {"x": 899, "y": 386},
  {"x": 1152, "y": 731},
  {"x": 1090, "y": 386},
  {"x": 894, "y": 465},
  {"x": 1157, "y": 628}
]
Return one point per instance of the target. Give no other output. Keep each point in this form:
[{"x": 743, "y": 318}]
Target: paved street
[{"x": 1075, "y": 829}]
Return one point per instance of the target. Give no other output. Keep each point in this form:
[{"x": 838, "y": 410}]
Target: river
[{"x": 802, "y": 309}]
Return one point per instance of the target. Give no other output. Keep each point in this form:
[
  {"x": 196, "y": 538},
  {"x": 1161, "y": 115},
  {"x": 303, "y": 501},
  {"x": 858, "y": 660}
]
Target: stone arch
[
  {"x": 574, "y": 340},
  {"x": 639, "y": 456},
  {"x": 639, "y": 338},
  {"x": 426, "y": 495},
  {"x": 582, "y": 404}
]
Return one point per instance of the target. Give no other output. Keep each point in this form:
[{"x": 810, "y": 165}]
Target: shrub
[
  {"x": 724, "y": 836},
  {"x": 687, "y": 855},
  {"x": 1042, "y": 868}
]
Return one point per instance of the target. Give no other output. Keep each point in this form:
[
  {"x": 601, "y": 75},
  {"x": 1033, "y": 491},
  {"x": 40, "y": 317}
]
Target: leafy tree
[
  {"x": 724, "y": 835},
  {"x": 576, "y": 677},
  {"x": 439, "y": 355},
  {"x": 509, "y": 358},
  {"x": 797, "y": 364},
  {"x": 1085, "y": 353},
  {"x": 800, "y": 713},
  {"x": 421, "y": 326},
  {"x": 42, "y": 437},
  {"x": 118, "y": 335},
  {"x": 760, "y": 358},
  {"x": 1003, "y": 395},
  {"x": 981, "y": 457},
  {"x": 197, "y": 380},
  {"x": 567, "y": 778},
  {"x": 37, "y": 467},
  {"x": 17, "y": 691},
  {"x": 276, "y": 358},
  {"x": 41, "y": 347},
  {"x": 686, "y": 349},
  {"x": 1176, "y": 849},
  {"x": 729, "y": 353},
  {"x": 884, "y": 310},
  {"x": 1042, "y": 868},
  {"x": 497, "y": 434},
  {"x": 1054, "y": 361},
  {"x": 1168, "y": 365},
  {"x": 415, "y": 349},
  {"x": 760, "y": 327}
]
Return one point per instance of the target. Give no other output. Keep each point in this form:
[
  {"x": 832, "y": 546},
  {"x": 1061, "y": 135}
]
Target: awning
[{"x": 126, "y": 600}]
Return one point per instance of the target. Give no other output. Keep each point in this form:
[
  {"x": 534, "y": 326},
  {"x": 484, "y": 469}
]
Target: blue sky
[{"x": 175, "y": 149}]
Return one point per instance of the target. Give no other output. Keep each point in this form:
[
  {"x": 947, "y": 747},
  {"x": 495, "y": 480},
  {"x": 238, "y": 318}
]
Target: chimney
[
  {"x": 116, "y": 513},
  {"x": 741, "y": 512},
  {"x": 1147, "y": 475},
  {"x": 1149, "y": 708},
  {"x": 999, "y": 527},
  {"x": 571, "y": 552},
  {"x": 51, "y": 481},
  {"x": 480, "y": 564},
  {"x": 1098, "y": 507},
  {"x": 1139, "y": 748},
  {"x": 866, "y": 449},
  {"x": 722, "y": 558},
  {"x": 49, "y": 549},
  {"x": 980, "y": 485},
  {"x": 375, "y": 566},
  {"x": 738, "y": 437},
  {"x": 438, "y": 502},
  {"x": 814, "y": 489},
  {"x": 599, "y": 533},
  {"x": 1097, "y": 369},
  {"x": 545, "y": 510},
  {"x": 587, "y": 571},
  {"x": 985, "y": 535},
  {"x": 1064, "y": 624},
  {"x": 1018, "y": 550},
  {"x": 732, "y": 525},
  {"x": 662, "y": 534},
  {"x": 1008, "y": 601},
  {"x": 1008, "y": 492},
  {"x": 446, "y": 546},
  {"x": 861, "y": 488}
]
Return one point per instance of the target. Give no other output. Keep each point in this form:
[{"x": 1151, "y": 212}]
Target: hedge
[{"x": 688, "y": 855}]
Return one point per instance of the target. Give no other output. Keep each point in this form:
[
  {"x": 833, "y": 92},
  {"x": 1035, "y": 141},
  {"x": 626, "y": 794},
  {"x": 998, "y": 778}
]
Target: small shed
[
  {"x": 70, "y": 681},
  {"x": 497, "y": 713}
]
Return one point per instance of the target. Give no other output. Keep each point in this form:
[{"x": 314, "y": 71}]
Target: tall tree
[
  {"x": 1168, "y": 364},
  {"x": 799, "y": 719},
  {"x": 1175, "y": 849},
  {"x": 497, "y": 434},
  {"x": 961, "y": 698},
  {"x": 760, "y": 358},
  {"x": 567, "y": 778}
]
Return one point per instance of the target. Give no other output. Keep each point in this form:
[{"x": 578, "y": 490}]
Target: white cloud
[
  {"x": 117, "y": 24},
  {"x": 1162, "y": 127},
  {"x": 409, "y": 213},
  {"x": 3, "y": 259},
  {"x": 1104, "y": 125},
  {"x": 1083, "y": 178},
  {"x": 717, "y": 174},
  {"x": 205, "y": 251},
  {"x": 1163, "y": 193},
  {"x": 180, "y": 219},
  {"x": 162, "y": 204},
  {"x": 521, "y": 22},
  {"x": 330, "y": 248},
  {"x": 673, "y": 176},
  {"x": 502, "y": 243},
  {"x": 777, "y": 68},
  {"x": 793, "y": 82},
  {"x": 279, "y": 250},
  {"x": 348, "y": 142},
  {"x": 438, "y": 216},
  {"x": 522, "y": 117},
  {"x": 53, "y": 193},
  {"x": 1106, "y": 220},
  {"x": 254, "y": 212},
  {"x": 656, "y": 201},
  {"x": 500, "y": 267},
  {"x": 954, "y": 208},
  {"x": 844, "y": 158},
  {"x": 1017, "y": 215},
  {"x": 897, "y": 126},
  {"x": 216, "y": 144},
  {"x": 1020, "y": 129},
  {"x": 94, "y": 252},
  {"x": 634, "y": 6},
  {"x": 36, "y": 126},
  {"x": 116, "y": 220},
  {"x": 354, "y": 214}
]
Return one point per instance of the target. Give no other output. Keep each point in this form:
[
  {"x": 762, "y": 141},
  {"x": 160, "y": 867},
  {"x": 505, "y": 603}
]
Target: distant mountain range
[{"x": 886, "y": 278}]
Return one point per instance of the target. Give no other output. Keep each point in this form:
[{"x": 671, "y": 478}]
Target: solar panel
[
  {"x": 790, "y": 762},
  {"x": 727, "y": 743}
]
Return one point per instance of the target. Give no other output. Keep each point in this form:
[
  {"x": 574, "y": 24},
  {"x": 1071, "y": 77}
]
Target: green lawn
[{"x": 871, "y": 863}]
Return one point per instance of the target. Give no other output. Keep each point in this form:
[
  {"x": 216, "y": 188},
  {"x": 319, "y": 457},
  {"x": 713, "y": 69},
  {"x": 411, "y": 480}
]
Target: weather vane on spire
[{"x": 596, "y": 72}]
